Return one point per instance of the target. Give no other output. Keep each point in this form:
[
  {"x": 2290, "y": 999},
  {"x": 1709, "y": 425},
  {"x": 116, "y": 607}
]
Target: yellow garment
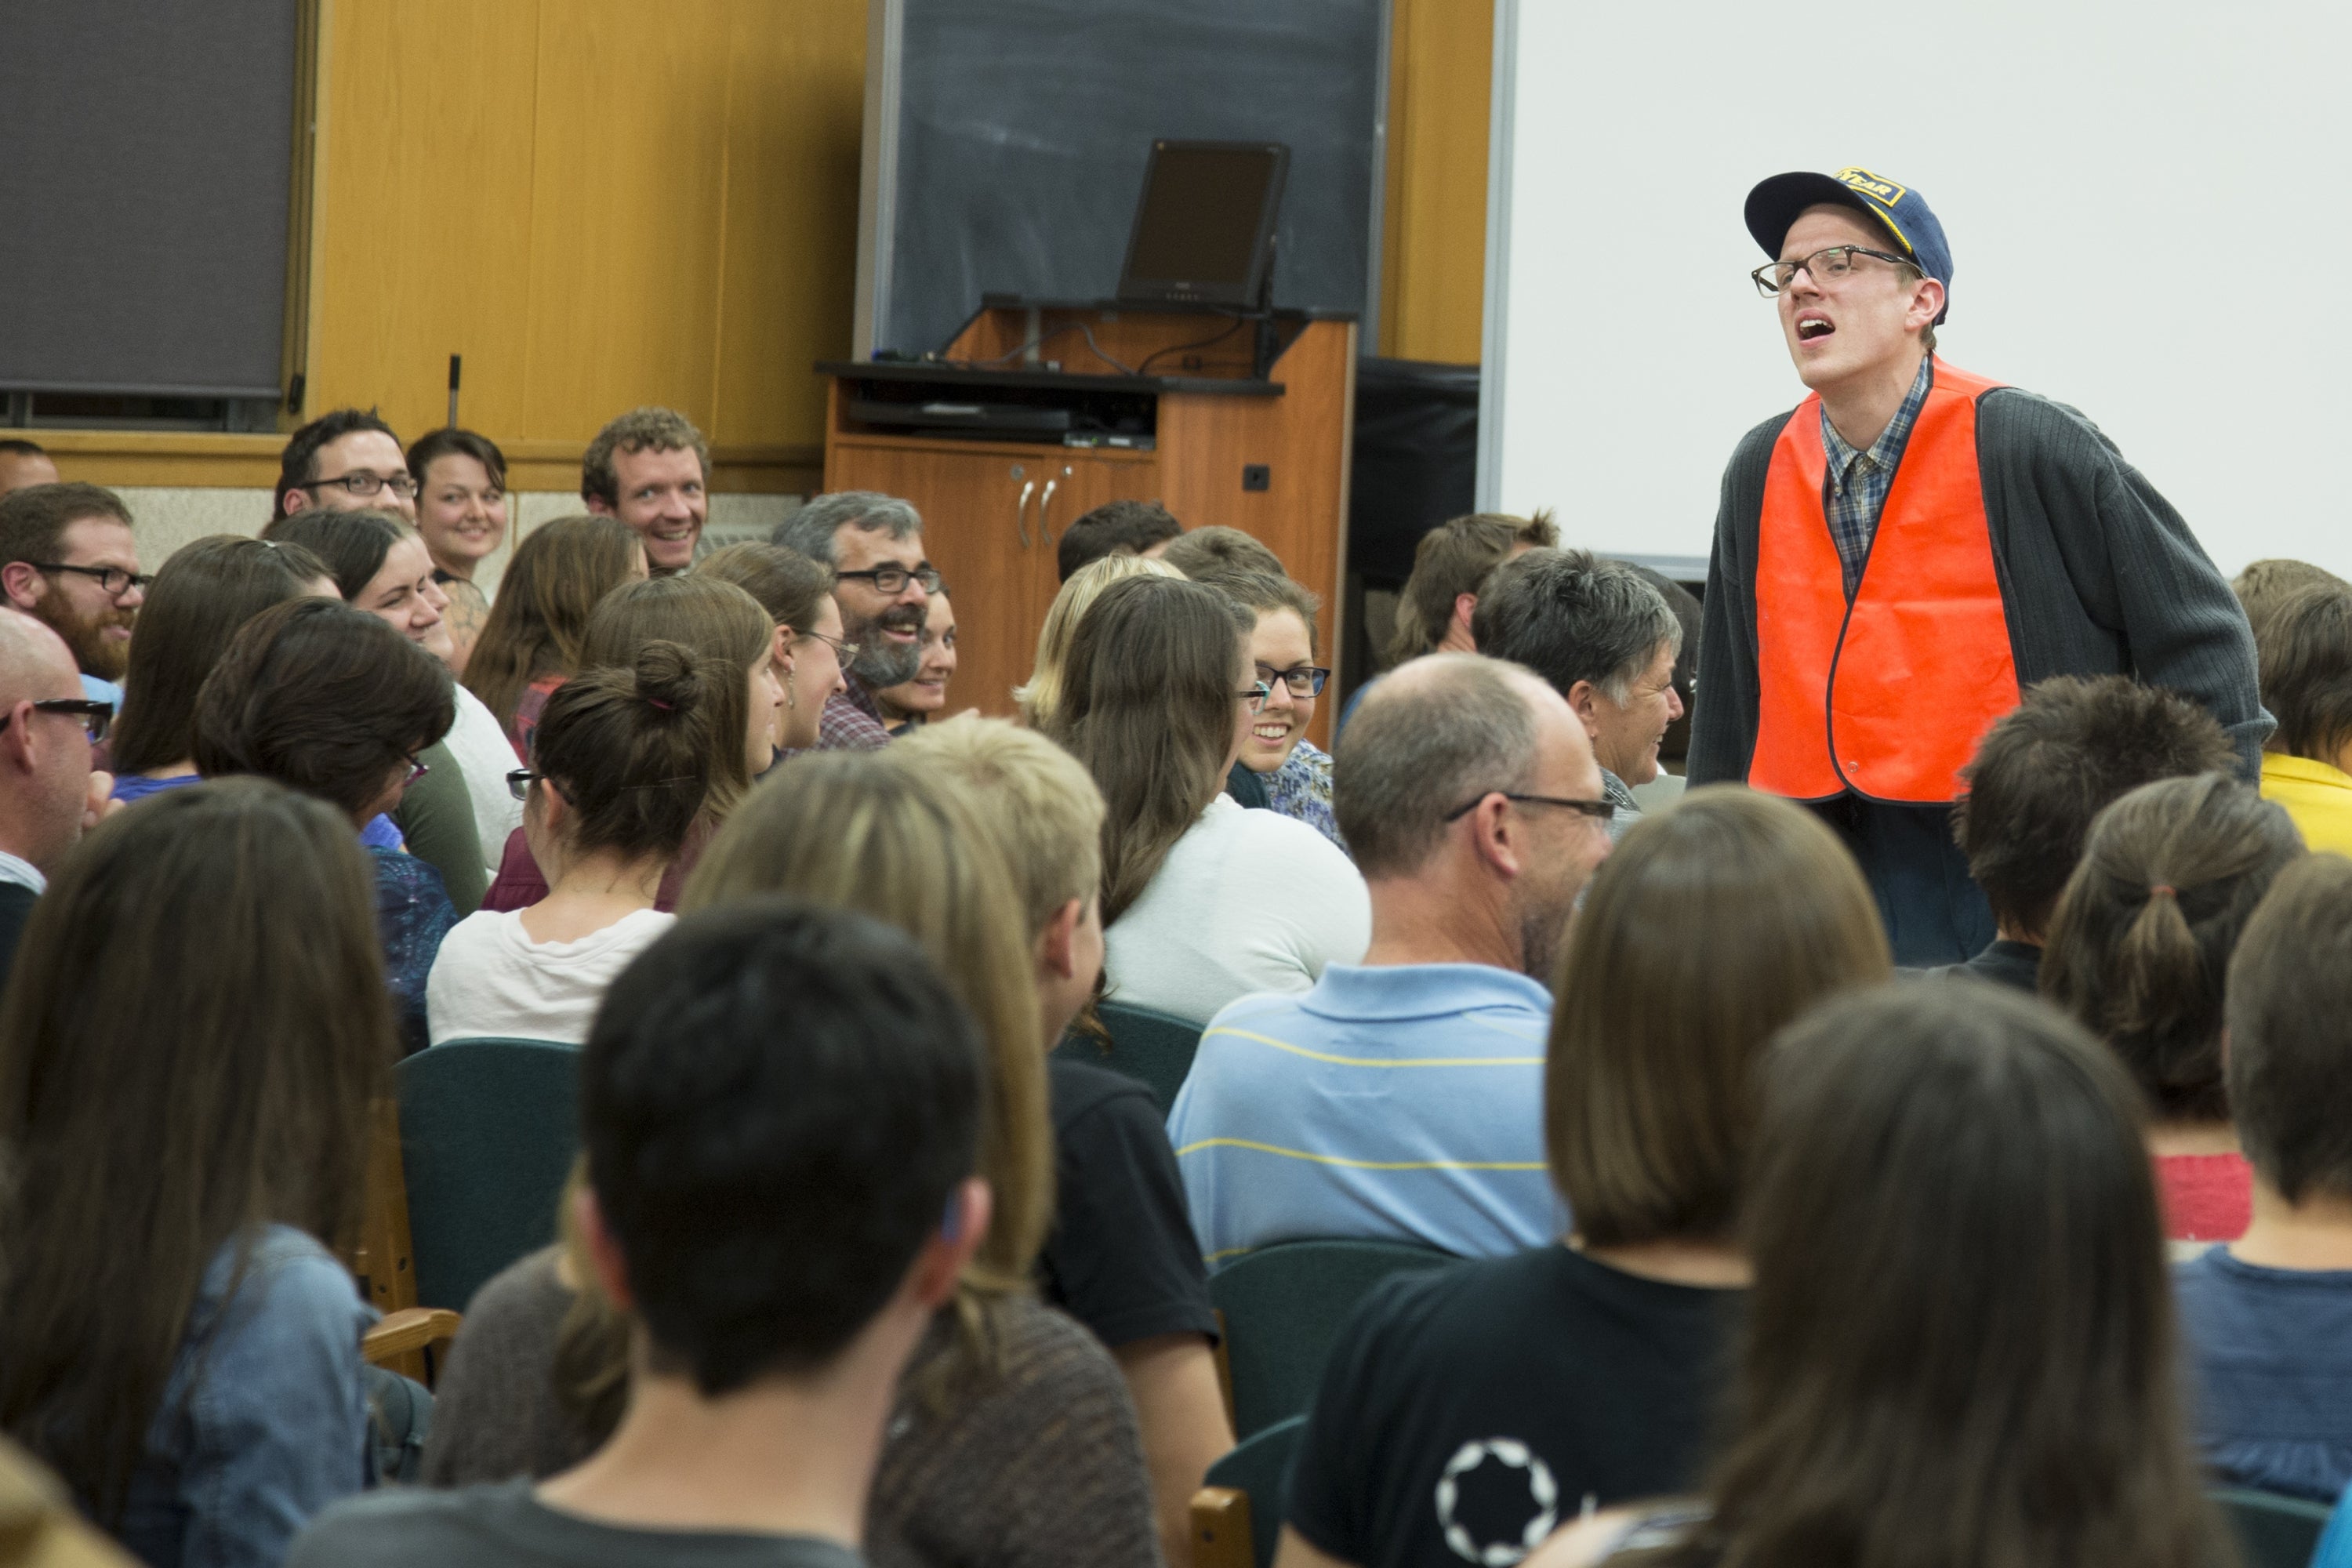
[
  {"x": 38, "y": 1528},
  {"x": 2318, "y": 796}
]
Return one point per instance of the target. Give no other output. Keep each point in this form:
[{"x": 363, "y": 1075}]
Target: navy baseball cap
[{"x": 1775, "y": 203}]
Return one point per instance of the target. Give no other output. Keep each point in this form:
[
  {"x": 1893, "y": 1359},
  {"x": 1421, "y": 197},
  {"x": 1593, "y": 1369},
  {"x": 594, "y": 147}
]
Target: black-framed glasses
[
  {"x": 519, "y": 782},
  {"x": 1256, "y": 696},
  {"x": 1825, "y": 266},
  {"x": 416, "y": 770},
  {"x": 1303, "y": 679},
  {"x": 364, "y": 484},
  {"x": 887, "y": 580},
  {"x": 112, "y": 581},
  {"x": 95, "y": 716},
  {"x": 847, "y": 652},
  {"x": 1598, "y": 810}
]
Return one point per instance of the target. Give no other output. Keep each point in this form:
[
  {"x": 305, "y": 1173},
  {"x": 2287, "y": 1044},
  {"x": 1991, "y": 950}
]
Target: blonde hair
[
  {"x": 1037, "y": 802},
  {"x": 1042, "y": 694},
  {"x": 864, "y": 831}
]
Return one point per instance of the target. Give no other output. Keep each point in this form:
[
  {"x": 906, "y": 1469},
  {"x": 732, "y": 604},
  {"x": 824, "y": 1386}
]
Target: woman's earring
[{"x": 790, "y": 700}]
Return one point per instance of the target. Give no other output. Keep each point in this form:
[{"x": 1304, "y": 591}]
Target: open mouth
[
  {"x": 1272, "y": 734},
  {"x": 1814, "y": 328}
]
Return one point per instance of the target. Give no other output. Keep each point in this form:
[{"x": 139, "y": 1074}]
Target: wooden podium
[{"x": 1159, "y": 406}]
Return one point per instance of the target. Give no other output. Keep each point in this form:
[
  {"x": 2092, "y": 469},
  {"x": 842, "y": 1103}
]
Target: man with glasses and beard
[
  {"x": 68, "y": 560},
  {"x": 1903, "y": 556},
  {"x": 873, "y": 543}
]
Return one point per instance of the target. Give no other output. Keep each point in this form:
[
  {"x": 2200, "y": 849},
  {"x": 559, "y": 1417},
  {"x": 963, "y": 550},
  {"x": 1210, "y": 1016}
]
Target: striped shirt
[
  {"x": 1856, "y": 490},
  {"x": 1397, "y": 1102}
]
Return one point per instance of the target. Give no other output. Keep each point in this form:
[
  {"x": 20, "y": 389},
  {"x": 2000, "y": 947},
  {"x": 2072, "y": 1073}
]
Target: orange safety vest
[{"x": 1886, "y": 697}]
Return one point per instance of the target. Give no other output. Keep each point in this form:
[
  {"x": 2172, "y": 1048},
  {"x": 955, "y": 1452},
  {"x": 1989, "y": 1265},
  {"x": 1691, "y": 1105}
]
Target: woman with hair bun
[{"x": 620, "y": 774}]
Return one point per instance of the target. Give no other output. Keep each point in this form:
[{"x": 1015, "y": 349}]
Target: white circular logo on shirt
[{"x": 1543, "y": 1494}]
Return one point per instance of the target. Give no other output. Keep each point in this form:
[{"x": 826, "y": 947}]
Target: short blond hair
[
  {"x": 1035, "y": 800},
  {"x": 1042, "y": 693}
]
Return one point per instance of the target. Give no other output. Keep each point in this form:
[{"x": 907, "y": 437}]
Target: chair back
[
  {"x": 1282, "y": 1306},
  {"x": 1237, "y": 1513},
  {"x": 488, "y": 1132},
  {"x": 1151, "y": 1047},
  {"x": 2272, "y": 1532}
]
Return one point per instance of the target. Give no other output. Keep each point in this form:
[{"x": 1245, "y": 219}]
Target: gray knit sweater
[{"x": 2098, "y": 574}]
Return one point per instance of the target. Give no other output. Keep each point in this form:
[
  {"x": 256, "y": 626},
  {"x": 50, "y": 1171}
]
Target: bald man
[{"x": 48, "y": 791}]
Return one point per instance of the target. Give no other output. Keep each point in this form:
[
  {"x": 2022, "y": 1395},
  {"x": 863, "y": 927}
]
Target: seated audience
[
  {"x": 778, "y": 1108},
  {"x": 381, "y": 565},
  {"x": 2268, "y": 1318},
  {"x": 883, "y": 584},
  {"x": 1202, "y": 902},
  {"x": 343, "y": 462},
  {"x": 530, "y": 643},
  {"x": 461, "y": 511},
  {"x": 2039, "y": 775},
  {"x": 913, "y": 703},
  {"x": 1296, "y": 772},
  {"x": 797, "y": 593},
  {"x": 204, "y": 591},
  {"x": 2303, "y": 652},
  {"x": 733, "y": 639},
  {"x": 48, "y": 791},
  {"x": 1958, "y": 1348},
  {"x": 68, "y": 560},
  {"x": 1397, "y": 1099},
  {"x": 1451, "y": 562},
  {"x": 651, "y": 468},
  {"x": 1115, "y": 528},
  {"x": 615, "y": 785},
  {"x": 187, "y": 1054},
  {"x": 1674, "y": 747},
  {"x": 1200, "y": 552},
  {"x": 1601, "y": 1353},
  {"x": 1038, "y": 697},
  {"x": 2139, "y": 947},
  {"x": 1120, "y": 1256},
  {"x": 1606, "y": 641},
  {"x": 331, "y": 702},
  {"x": 1011, "y": 1441},
  {"x": 23, "y": 464}
]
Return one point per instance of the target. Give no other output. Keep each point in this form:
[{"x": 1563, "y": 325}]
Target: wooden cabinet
[{"x": 1267, "y": 456}]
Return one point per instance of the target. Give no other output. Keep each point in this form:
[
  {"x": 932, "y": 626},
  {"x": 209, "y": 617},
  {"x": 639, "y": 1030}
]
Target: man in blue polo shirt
[{"x": 1401, "y": 1098}]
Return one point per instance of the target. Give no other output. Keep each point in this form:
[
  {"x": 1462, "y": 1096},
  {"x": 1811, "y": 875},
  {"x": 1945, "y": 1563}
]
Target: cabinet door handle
[
  {"x": 1044, "y": 531},
  {"x": 1021, "y": 512}
]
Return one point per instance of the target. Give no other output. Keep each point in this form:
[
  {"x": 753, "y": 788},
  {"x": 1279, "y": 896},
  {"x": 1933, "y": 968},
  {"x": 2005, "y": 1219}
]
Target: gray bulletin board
[{"x": 1006, "y": 139}]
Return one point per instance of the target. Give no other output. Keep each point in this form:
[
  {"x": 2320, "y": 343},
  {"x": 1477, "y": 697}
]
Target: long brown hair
[
  {"x": 559, "y": 574},
  {"x": 199, "y": 598},
  {"x": 1713, "y": 924},
  {"x": 730, "y": 634},
  {"x": 1148, "y": 696},
  {"x": 2140, "y": 943},
  {"x": 196, "y": 1024},
  {"x": 1960, "y": 1348}
]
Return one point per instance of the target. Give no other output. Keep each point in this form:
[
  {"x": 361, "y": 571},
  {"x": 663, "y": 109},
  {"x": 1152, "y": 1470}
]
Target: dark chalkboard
[{"x": 1007, "y": 140}]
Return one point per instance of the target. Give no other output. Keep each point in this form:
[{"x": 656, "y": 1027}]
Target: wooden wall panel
[{"x": 1433, "y": 255}]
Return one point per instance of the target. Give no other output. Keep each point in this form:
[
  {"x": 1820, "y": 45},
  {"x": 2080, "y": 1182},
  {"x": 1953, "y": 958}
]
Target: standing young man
[{"x": 1898, "y": 558}]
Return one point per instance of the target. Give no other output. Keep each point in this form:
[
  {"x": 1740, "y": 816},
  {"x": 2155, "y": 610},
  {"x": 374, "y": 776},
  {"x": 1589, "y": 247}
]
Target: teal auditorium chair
[
  {"x": 1237, "y": 1513},
  {"x": 1282, "y": 1306},
  {"x": 2272, "y": 1532},
  {"x": 1153, "y": 1047},
  {"x": 488, "y": 1132}
]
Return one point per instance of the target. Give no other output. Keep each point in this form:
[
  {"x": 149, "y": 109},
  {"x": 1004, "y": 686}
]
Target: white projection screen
[{"x": 2148, "y": 203}]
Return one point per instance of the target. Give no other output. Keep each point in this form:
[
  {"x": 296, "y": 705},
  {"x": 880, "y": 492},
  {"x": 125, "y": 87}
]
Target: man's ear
[
  {"x": 1585, "y": 697},
  {"x": 941, "y": 1262},
  {"x": 1927, "y": 300},
  {"x": 297, "y": 499},
  {"x": 598, "y": 504},
  {"x": 22, "y": 583},
  {"x": 19, "y": 747},
  {"x": 1497, "y": 838},
  {"x": 1057, "y": 943},
  {"x": 602, "y": 1247}
]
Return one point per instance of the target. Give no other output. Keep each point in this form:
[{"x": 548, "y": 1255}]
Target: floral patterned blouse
[{"x": 1301, "y": 787}]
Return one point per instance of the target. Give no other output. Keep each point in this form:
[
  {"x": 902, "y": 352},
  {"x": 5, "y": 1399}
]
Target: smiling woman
[
  {"x": 1298, "y": 772},
  {"x": 913, "y": 702}
]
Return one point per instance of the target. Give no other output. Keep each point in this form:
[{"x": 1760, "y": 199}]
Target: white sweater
[
  {"x": 1246, "y": 901},
  {"x": 485, "y": 756},
  {"x": 492, "y": 979}
]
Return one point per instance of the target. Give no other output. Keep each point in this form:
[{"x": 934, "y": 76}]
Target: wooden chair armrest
[
  {"x": 1220, "y": 1529},
  {"x": 410, "y": 1330}
]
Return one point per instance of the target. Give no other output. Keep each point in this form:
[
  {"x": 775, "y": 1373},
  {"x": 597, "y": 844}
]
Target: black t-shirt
[
  {"x": 1122, "y": 1259},
  {"x": 1466, "y": 1413}
]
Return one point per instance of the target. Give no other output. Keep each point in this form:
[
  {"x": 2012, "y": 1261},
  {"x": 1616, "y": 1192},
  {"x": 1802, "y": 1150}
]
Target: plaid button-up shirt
[
  {"x": 851, "y": 722},
  {"x": 1856, "y": 490}
]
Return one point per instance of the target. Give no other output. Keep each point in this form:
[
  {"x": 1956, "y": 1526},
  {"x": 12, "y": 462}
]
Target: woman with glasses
[
  {"x": 1296, "y": 772},
  {"x": 797, "y": 593},
  {"x": 334, "y": 703},
  {"x": 1202, "y": 902},
  {"x": 617, "y": 778},
  {"x": 916, "y": 701}
]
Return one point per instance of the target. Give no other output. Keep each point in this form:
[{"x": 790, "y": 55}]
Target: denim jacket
[{"x": 263, "y": 1422}]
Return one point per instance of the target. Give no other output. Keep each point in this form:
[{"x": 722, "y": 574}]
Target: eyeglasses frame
[
  {"x": 1602, "y": 811},
  {"x": 97, "y": 717},
  {"x": 139, "y": 580},
  {"x": 1771, "y": 290}
]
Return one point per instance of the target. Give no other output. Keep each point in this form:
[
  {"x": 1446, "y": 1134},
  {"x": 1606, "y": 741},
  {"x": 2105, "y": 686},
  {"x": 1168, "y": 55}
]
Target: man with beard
[
  {"x": 873, "y": 543},
  {"x": 67, "y": 558},
  {"x": 1401, "y": 1098}
]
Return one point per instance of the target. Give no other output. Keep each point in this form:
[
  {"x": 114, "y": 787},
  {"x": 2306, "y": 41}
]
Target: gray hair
[
  {"x": 1570, "y": 616},
  {"x": 1438, "y": 732},
  {"x": 811, "y": 528}
]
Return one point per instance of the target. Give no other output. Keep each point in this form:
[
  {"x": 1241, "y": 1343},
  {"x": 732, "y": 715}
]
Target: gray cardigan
[{"x": 2099, "y": 576}]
